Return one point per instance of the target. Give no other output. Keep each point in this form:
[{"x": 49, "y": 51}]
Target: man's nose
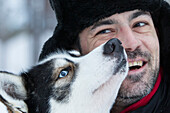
[
  {"x": 128, "y": 38},
  {"x": 112, "y": 46}
]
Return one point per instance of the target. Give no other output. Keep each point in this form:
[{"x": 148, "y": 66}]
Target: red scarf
[{"x": 145, "y": 99}]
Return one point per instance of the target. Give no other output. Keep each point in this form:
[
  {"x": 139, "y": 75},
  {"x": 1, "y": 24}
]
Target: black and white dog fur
[{"x": 66, "y": 83}]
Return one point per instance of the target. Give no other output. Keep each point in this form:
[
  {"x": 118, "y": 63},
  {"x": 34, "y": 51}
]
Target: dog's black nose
[{"x": 113, "y": 45}]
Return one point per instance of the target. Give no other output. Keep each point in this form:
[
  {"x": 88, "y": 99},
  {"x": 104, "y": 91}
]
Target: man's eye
[
  {"x": 140, "y": 24},
  {"x": 104, "y": 31}
]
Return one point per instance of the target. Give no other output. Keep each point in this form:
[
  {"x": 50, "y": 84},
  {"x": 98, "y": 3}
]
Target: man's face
[{"x": 137, "y": 33}]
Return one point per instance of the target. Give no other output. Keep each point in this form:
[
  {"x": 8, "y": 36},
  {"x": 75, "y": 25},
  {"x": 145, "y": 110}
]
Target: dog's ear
[{"x": 13, "y": 92}]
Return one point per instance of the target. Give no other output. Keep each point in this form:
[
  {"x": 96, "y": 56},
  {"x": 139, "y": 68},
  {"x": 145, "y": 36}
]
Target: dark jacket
[{"x": 75, "y": 15}]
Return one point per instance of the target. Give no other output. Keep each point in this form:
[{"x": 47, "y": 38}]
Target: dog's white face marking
[
  {"x": 63, "y": 83},
  {"x": 96, "y": 79}
]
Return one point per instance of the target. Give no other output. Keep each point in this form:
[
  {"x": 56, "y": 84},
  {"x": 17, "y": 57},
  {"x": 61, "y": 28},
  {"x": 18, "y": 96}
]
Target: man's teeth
[{"x": 135, "y": 63}]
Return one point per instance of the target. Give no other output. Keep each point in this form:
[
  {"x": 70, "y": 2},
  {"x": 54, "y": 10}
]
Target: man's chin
[
  {"x": 136, "y": 86},
  {"x": 131, "y": 91}
]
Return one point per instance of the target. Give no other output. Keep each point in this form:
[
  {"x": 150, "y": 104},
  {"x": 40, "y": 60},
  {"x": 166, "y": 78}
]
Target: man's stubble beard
[{"x": 138, "y": 86}]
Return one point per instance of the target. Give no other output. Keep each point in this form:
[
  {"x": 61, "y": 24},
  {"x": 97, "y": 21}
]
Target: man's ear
[{"x": 13, "y": 92}]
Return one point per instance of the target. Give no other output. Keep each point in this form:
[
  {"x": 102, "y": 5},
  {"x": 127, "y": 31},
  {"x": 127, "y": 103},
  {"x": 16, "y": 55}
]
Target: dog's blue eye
[{"x": 63, "y": 73}]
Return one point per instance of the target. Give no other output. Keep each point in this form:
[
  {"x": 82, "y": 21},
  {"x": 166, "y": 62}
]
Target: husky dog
[{"x": 67, "y": 83}]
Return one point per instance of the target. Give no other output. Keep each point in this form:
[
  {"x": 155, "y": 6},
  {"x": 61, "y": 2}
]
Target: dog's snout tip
[
  {"x": 112, "y": 46},
  {"x": 109, "y": 48}
]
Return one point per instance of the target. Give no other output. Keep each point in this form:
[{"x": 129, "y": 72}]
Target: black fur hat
[{"x": 75, "y": 15}]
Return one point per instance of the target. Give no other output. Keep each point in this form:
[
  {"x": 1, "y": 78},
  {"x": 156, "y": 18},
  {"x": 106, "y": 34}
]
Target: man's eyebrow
[
  {"x": 112, "y": 21},
  {"x": 103, "y": 22},
  {"x": 137, "y": 14}
]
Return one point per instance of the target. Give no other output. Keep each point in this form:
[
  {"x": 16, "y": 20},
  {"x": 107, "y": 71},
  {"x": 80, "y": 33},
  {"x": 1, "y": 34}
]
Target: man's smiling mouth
[{"x": 136, "y": 65}]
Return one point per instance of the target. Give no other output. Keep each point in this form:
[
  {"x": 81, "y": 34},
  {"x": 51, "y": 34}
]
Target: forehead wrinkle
[{"x": 137, "y": 14}]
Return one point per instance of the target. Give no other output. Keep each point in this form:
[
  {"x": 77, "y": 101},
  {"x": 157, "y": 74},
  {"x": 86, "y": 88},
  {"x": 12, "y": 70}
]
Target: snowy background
[{"x": 24, "y": 26}]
